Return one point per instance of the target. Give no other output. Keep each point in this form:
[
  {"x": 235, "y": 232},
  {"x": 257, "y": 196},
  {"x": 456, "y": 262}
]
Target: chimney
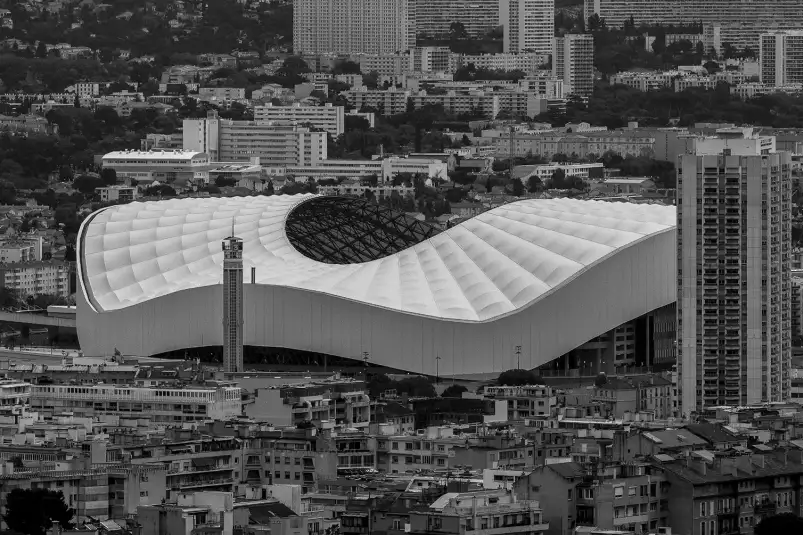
[{"x": 253, "y": 275}]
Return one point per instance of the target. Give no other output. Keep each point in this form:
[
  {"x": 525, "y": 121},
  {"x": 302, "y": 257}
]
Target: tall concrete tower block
[{"x": 233, "y": 304}]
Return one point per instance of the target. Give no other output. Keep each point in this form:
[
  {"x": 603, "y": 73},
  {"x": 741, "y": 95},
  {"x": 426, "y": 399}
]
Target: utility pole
[{"x": 518, "y": 357}]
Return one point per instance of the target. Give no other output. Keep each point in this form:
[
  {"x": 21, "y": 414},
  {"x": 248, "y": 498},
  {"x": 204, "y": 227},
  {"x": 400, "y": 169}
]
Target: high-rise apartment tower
[
  {"x": 573, "y": 62},
  {"x": 353, "y": 26},
  {"x": 781, "y": 58},
  {"x": 734, "y": 301},
  {"x": 232, "y": 304},
  {"x": 529, "y": 25},
  {"x": 434, "y": 18}
]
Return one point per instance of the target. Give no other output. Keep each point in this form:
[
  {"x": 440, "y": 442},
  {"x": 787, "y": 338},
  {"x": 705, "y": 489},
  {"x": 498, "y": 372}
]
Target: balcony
[
  {"x": 766, "y": 507},
  {"x": 206, "y": 483}
]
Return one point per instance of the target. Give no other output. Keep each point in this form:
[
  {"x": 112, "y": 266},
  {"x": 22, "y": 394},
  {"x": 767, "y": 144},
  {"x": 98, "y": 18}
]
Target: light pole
[
  {"x": 518, "y": 357},
  {"x": 437, "y": 369}
]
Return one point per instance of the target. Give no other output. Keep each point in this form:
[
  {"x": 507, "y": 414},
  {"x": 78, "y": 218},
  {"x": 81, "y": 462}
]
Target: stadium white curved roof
[
  {"x": 132, "y": 257},
  {"x": 490, "y": 265}
]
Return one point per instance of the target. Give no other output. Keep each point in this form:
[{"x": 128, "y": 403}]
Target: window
[
  {"x": 570, "y": 494},
  {"x": 631, "y": 491},
  {"x": 618, "y": 492}
]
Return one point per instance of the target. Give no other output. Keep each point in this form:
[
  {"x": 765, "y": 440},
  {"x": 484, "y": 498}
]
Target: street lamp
[{"x": 518, "y": 357}]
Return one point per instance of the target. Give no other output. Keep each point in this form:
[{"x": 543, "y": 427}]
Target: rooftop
[{"x": 162, "y": 154}]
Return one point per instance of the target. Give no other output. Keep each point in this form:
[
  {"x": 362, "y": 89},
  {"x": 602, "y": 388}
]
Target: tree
[
  {"x": 780, "y": 525},
  {"x": 533, "y": 184},
  {"x": 457, "y": 30},
  {"x": 601, "y": 379},
  {"x": 87, "y": 184},
  {"x": 33, "y": 511},
  {"x": 454, "y": 391},
  {"x": 41, "y": 50},
  {"x": 109, "y": 176},
  {"x": 517, "y": 377},
  {"x": 518, "y": 187}
]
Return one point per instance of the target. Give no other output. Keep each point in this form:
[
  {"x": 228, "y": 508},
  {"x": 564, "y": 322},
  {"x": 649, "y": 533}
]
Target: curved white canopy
[
  {"x": 545, "y": 274},
  {"x": 488, "y": 266}
]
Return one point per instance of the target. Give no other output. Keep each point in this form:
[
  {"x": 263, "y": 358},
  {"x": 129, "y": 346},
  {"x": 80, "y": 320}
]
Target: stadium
[{"x": 517, "y": 286}]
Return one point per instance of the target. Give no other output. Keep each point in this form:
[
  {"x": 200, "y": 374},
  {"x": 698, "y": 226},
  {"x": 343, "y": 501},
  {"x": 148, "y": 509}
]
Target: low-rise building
[
  {"x": 385, "y": 169},
  {"x": 43, "y": 277},
  {"x": 327, "y": 117},
  {"x": 385, "y": 102},
  {"x": 99, "y": 492},
  {"x": 732, "y": 494},
  {"x": 14, "y": 393},
  {"x": 524, "y": 401},
  {"x": 325, "y": 403},
  {"x": 487, "y": 511},
  {"x": 164, "y": 405},
  {"x": 162, "y": 165},
  {"x": 626, "y": 185},
  {"x": 117, "y": 193},
  {"x": 20, "y": 248},
  {"x": 221, "y": 93}
]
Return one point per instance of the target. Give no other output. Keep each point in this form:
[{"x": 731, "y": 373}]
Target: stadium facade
[{"x": 519, "y": 285}]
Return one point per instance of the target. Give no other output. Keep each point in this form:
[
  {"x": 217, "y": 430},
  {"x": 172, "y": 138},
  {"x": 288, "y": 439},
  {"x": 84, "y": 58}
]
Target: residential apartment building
[
  {"x": 192, "y": 462},
  {"x": 162, "y": 165},
  {"x": 353, "y": 26},
  {"x": 269, "y": 144},
  {"x": 626, "y": 498},
  {"x": 529, "y": 25},
  {"x": 485, "y": 511},
  {"x": 732, "y": 494},
  {"x": 430, "y": 59},
  {"x": 14, "y": 393},
  {"x": 529, "y": 63},
  {"x": 527, "y": 401},
  {"x": 383, "y": 64},
  {"x": 117, "y": 193},
  {"x": 328, "y": 117},
  {"x": 434, "y": 18},
  {"x": 42, "y": 277},
  {"x": 385, "y": 169},
  {"x": 273, "y": 144},
  {"x": 485, "y": 104},
  {"x": 723, "y": 21},
  {"x": 96, "y": 493},
  {"x": 621, "y": 142},
  {"x": 166, "y": 405},
  {"x": 381, "y": 192},
  {"x": 20, "y": 248},
  {"x": 344, "y": 403},
  {"x": 291, "y": 457},
  {"x": 573, "y": 62},
  {"x": 221, "y": 93},
  {"x": 734, "y": 248},
  {"x": 386, "y": 102},
  {"x": 544, "y": 85},
  {"x": 796, "y": 280},
  {"x": 635, "y": 394},
  {"x": 781, "y": 58}
]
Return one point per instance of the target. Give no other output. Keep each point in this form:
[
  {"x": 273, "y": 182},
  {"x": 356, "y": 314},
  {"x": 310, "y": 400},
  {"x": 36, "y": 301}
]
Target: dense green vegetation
[{"x": 218, "y": 26}]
